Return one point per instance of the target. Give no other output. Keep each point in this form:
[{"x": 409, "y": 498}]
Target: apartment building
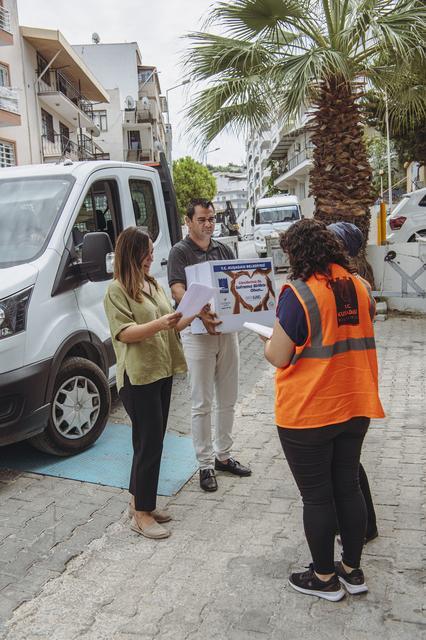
[
  {"x": 258, "y": 146},
  {"x": 288, "y": 146},
  {"x": 292, "y": 149},
  {"x": 133, "y": 126},
  {"x": 231, "y": 187},
  {"x": 46, "y": 96}
]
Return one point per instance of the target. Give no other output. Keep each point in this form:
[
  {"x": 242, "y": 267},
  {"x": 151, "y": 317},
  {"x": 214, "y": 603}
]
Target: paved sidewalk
[{"x": 223, "y": 573}]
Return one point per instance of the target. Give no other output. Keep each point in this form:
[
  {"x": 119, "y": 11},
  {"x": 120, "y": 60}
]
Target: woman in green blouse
[{"x": 144, "y": 334}]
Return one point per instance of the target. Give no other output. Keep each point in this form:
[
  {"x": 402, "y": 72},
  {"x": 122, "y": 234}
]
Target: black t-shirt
[{"x": 186, "y": 253}]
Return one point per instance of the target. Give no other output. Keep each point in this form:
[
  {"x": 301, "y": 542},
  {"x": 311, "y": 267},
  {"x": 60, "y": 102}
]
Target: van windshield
[
  {"x": 289, "y": 213},
  {"x": 29, "y": 208}
]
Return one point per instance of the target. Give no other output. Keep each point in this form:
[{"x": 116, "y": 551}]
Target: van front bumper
[{"x": 23, "y": 408}]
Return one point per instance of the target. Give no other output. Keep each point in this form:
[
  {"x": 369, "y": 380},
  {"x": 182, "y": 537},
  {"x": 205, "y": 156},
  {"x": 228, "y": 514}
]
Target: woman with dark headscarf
[{"x": 352, "y": 240}]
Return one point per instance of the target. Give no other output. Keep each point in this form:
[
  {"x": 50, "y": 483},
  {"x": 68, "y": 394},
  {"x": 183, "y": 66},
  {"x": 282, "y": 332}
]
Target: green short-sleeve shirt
[{"x": 149, "y": 360}]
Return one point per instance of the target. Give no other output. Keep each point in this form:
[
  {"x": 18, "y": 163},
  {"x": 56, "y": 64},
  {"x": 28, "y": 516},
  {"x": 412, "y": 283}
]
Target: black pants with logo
[
  {"x": 148, "y": 408},
  {"x": 325, "y": 465}
]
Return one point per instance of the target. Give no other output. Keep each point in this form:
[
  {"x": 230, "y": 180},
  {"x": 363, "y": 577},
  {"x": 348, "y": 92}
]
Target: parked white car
[{"x": 408, "y": 218}]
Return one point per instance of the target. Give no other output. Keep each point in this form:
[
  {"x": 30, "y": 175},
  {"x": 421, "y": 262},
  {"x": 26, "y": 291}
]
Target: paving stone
[{"x": 223, "y": 572}]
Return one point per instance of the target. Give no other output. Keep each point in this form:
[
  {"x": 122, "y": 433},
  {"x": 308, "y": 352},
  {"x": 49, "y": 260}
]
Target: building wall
[
  {"x": 12, "y": 56},
  {"x": 111, "y": 140}
]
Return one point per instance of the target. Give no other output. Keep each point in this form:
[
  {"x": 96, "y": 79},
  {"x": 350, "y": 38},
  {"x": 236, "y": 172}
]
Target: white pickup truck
[{"x": 58, "y": 223}]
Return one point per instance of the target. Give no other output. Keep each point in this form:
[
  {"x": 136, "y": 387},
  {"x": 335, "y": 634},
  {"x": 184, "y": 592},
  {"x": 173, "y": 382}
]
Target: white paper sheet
[
  {"x": 261, "y": 329},
  {"x": 195, "y": 298}
]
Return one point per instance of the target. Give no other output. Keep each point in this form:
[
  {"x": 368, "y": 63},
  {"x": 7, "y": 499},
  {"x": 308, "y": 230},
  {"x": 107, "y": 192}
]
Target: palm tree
[{"x": 276, "y": 56}]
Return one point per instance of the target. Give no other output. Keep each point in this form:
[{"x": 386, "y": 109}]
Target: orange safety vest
[{"x": 332, "y": 377}]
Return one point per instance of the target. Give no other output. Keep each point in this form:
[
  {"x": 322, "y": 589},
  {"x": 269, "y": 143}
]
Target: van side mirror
[
  {"x": 96, "y": 248},
  {"x": 252, "y": 222}
]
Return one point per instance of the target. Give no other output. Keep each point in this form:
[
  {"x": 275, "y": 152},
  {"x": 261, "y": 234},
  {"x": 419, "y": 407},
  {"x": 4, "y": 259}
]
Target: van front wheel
[{"x": 79, "y": 410}]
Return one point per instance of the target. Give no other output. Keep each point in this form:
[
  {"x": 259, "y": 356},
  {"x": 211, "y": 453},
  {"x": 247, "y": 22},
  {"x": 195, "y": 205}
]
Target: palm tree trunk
[{"x": 340, "y": 180}]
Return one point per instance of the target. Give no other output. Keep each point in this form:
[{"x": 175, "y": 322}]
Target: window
[
  {"x": 4, "y": 75},
  {"x": 145, "y": 76},
  {"x": 7, "y": 154},
  {"x": 41, "y": 65},
  {"x": 99, "y": 212},
  {"x": 47, "y": 126},
  {"x": 65, "y": 138},
  {"x": 143, "y": 200},
  {"x": 422, "y": 202},
  {"x": 100, "y": 119}
]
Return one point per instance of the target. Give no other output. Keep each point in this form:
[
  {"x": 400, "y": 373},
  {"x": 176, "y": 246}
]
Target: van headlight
[{"x": 13, "y": 313}]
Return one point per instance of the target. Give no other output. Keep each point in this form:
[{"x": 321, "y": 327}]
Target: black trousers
[
  {"x": 371, "y": 514},
  {"x": 325, "y": 465},
  {"x": 148, "y": 408}
]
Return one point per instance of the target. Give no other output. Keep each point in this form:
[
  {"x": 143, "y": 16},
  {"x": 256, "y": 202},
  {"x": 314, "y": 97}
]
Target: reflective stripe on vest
[{"x": 318, "y": 349}]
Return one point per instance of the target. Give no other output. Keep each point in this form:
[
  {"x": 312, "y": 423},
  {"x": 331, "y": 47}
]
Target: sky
[{"x": 157, "y": 26}]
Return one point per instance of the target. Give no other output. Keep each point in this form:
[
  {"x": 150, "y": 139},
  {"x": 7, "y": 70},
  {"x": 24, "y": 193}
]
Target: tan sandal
[{"x": 154, "y": 531}]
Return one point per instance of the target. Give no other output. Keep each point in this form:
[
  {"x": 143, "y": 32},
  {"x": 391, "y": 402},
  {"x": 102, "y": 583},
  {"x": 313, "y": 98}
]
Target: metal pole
[{"x": 388, "y": 154}]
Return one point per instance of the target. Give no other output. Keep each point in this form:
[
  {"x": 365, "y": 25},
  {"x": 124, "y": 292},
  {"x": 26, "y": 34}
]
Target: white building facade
[
  {"x": 231, "y": 187},
  {"x": 48, "y": 94},
  {"x": 133, "y": 126},
  {"x": 288, "y": 146}
]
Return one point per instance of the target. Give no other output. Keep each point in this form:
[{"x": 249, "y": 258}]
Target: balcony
[
  {"x": 59, "y": 146},
  {"x": 297, "y": 165},
  {"x": 6, "y": 36},
  {"x": 9, "y": 107},
  {"x": 138, "y": 155},
  {"x": 90, "y": 150},
  {"x": 60, "y": 95}
]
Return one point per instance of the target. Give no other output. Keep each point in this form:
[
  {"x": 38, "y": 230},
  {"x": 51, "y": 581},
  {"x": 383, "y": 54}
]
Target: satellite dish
[
  {"x": 96, "y": 38},
  {"x": 129, "y": 103},
  {"x": 145, "y": 102}
]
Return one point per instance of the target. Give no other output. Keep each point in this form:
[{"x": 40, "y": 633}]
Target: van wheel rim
[{"x": 76, "y": 407}]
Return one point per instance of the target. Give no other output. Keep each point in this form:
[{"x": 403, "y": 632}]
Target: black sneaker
[
  {"x": 353, "y": 582},
  {"x": 308, "y": 583}
]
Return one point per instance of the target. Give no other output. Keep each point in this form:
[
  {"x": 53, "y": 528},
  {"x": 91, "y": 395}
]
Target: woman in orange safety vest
[{"x": 326, "y": 392}]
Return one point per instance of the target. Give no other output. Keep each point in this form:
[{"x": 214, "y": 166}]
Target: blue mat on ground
[{"x": 108, "y": 462}]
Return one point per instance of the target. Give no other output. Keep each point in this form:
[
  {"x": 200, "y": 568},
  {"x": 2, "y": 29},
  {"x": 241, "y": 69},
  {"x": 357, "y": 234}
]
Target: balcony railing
[
  {"x": 89, "y": 150},
  {"x": 137, "y": 155},
  {"x": 60, "y": 146},
  {"x": 55, "y": 82},
  {"x": 9, "y": 99},
  {"x": 298, "y": 158},
  {"x": 5, "y": 20}
]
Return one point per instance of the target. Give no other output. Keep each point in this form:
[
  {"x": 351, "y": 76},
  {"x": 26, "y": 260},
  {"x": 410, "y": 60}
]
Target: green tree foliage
[{"x": 192, "y": 180}]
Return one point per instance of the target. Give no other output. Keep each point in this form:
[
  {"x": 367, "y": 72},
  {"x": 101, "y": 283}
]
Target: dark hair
[
  {"x": 198, "y": 202},
  {"x": 311, "y": 248},
  {"x": 132, "y": 247}
]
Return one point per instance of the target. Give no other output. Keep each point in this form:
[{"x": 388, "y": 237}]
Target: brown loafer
[
  {"x": 154, "y": 531},
  {"x": 160, "y": 515}
]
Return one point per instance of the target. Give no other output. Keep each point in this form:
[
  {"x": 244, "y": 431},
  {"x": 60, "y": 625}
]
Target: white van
[
  {"x": 58, "y": 223},
  {"x": 273, "y": 214}
]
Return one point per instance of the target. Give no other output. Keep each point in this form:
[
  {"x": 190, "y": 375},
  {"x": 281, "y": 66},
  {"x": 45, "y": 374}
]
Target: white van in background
[
  {"x": 274, "y": 214},
  {"x": 58, "y": 227}
]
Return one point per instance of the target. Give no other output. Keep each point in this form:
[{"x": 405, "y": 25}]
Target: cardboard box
[{"x": 245, "y": 292}]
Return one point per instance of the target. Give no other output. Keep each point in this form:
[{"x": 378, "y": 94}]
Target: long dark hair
[
  {"x": 311, "y": 248},
  {"x": 131, "y": 249}
]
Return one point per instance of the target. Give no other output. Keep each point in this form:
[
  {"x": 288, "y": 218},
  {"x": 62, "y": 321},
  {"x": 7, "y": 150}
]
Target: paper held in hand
[
  {"x": 195, "y": 298},
  {"x": 266, "y": 332}
]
